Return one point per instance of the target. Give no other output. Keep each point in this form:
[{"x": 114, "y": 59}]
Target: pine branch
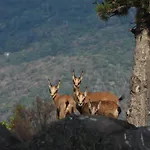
[
  {"x": 114, "y": 11},
  {"x": 111, "y": 8}
]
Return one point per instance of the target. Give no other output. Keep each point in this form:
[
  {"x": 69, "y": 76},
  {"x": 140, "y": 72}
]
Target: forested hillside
[{"x": 50, "y": 38}]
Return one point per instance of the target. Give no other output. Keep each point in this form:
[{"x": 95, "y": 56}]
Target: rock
[
  {"x": 130, "y": 139},
  {"x": 77, "y": 132},
  {"x": 8, "y": 140}
]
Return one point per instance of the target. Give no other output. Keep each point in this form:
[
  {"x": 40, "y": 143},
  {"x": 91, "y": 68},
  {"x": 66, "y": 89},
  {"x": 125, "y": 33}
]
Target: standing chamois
[
  {"x": 76, "y": 83},
  {"x": 94, "y": 96},
  {"x": 83, "y": 97},
  {"x": 65, "y": 104}
]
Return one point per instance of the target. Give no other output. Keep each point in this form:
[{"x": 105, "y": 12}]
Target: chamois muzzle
[{"x": 80, "y": 104}]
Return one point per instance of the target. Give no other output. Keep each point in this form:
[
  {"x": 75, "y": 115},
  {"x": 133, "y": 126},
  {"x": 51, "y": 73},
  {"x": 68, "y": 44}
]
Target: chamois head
[
  {"x": 94, "y": 107},
  {"x": 81, "y": 96},
  {"x": 77, "y": 80},
  {"x": 53, "y": 89}
]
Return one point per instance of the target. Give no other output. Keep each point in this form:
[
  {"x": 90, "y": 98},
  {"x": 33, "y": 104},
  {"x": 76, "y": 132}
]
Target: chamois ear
[
  {"x": 86, "y": 91},
  {"x": 49, "y": 83},
  {"x": 81, "y": 76},
  {"x": 99, "y": 105},
  {"x": 89, "y": 105},
  {"x": 58, "y": 85},
  {"x": 73, "y": 75}
]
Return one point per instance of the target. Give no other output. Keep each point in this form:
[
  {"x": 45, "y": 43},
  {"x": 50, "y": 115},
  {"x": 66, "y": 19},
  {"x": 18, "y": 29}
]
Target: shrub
[
  {"x": 26, "y": 122},
  {"x": 41, "y": 114}
]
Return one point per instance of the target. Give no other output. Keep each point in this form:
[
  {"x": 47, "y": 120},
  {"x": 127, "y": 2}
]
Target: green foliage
[
  {"x": 7, "y": 124},
  {"x": 104, "y": 10},
  {"x": 67, "y": 30},
  {"x": 36, "y": 31},
  {"x": 108, "y": 9},
  {"x": 18, "y": 112},
  {"x": 120, "y": 8}
]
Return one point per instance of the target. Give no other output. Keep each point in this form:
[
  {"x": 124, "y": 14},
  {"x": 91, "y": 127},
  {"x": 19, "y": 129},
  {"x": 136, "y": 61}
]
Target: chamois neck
[
  {"x": 76, "y": 87},
  {"x": 55, "y": 96}
]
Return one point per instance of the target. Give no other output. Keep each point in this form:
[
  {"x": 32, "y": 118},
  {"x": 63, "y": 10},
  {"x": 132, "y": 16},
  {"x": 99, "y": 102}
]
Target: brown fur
[
  {"x": 74, "y": 93},
  {"x": 96, "y": 96},
  {"x": 76, "y": 83},
  {"x": 71, "y": 108},
  {"x": 64, "y": 103},
  {"x": 106, "y": 108},
  {"x": 109, "y": 101},
  {"x": 103, "y": 96}
]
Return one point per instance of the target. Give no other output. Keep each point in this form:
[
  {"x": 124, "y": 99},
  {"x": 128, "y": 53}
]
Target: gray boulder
[{"x": 77, "y": 133}]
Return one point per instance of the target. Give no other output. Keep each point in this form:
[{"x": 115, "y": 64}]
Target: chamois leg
[
  {"x": 70, "y": 109},
  {"x": 57, "y": 114},
  {"x": 62, "y": 112},
  {"x": 74, "y": 109}
]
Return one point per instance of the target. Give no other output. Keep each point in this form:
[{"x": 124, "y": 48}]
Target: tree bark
[{"x": 137, "y": 112}]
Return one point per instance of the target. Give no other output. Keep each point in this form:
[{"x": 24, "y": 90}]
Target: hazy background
[{"x": 49, "y": 38}]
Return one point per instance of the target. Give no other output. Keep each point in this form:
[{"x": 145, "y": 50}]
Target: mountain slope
[{"x": 49, "y": 38}]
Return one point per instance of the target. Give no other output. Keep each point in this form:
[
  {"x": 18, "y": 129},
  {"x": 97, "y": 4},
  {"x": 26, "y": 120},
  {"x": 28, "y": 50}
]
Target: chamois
[
  {"x": 65, "y": 104},
  {"x": 96, "y": 96},
  {"x": 107, "y": 108},
  {"x": 76, "y": 83}
]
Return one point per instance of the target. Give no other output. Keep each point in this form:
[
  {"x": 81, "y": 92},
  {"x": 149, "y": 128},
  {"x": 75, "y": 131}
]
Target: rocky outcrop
[
  {"x": 82, "y": 133},
  {"x": 78, "y": 133},
  {"x": 8, "y": 140}
]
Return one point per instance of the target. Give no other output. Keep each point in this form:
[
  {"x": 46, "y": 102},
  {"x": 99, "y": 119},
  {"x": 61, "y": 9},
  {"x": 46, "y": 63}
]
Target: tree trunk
[{"x": 137, "y": 112}]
